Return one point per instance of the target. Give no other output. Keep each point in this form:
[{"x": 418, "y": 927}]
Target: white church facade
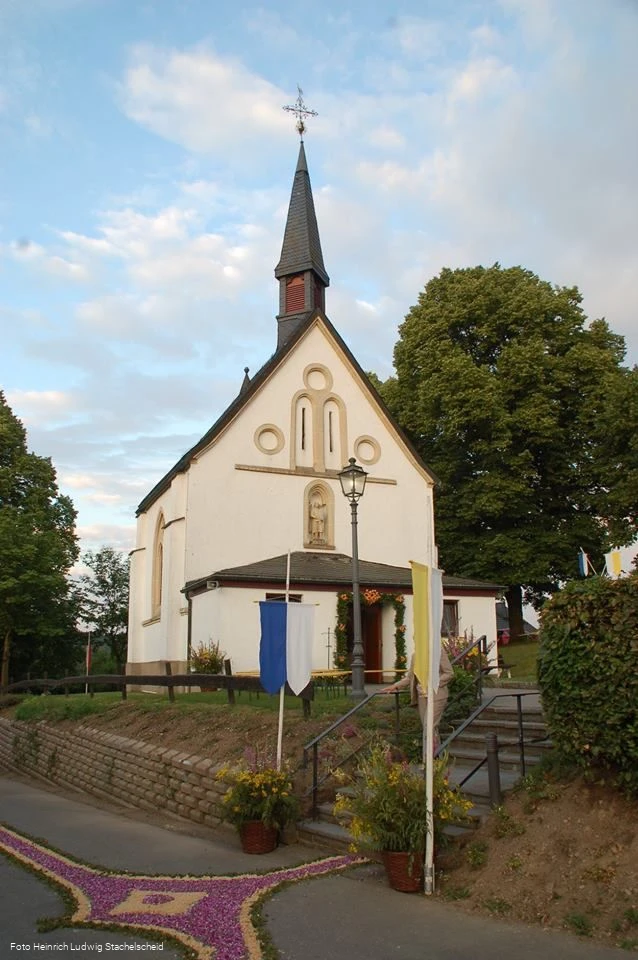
[{"x": 214, "y": 533}]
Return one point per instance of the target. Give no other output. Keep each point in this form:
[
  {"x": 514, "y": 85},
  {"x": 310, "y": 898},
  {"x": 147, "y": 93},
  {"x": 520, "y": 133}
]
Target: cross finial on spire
[{"x": 300, "y": 109}]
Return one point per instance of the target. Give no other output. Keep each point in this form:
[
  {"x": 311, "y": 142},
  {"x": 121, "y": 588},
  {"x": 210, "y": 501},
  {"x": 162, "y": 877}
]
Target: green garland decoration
[{"x": 370, "y": 596}]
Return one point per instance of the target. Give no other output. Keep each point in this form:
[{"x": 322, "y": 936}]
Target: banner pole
[
  {"x": 282, "y": 690},
  {"x": 428, "y": 872},
  {"x": 88, "y": 662}
]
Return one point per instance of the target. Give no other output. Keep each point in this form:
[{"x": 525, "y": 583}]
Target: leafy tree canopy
[
  {"x": 37, "y": 547},
  {"x": 528, "y": 418},
  {"x": 105, "y": 596}
]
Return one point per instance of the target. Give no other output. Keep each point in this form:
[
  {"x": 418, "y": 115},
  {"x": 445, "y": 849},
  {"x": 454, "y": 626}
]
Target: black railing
[
  {"x": 490, "y": 760},
  {"x": 312, "y": 748}
]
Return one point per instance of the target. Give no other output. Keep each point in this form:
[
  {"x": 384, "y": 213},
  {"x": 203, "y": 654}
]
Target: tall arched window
[
  {"x": 158, "y": 568},
  {"x": 303, "y": 433},
  {"x": 333, "y": 454}
]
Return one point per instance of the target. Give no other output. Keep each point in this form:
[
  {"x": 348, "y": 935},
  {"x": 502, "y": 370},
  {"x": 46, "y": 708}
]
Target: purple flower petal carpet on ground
[{"x": 208, "y": 914}]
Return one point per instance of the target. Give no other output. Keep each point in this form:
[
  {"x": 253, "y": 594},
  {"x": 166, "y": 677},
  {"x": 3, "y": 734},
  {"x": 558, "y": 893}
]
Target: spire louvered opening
[{"x": 295, "y": 294}]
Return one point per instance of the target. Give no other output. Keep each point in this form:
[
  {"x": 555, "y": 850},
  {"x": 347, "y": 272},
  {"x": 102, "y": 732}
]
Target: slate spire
[{"x": 301, "y": 272}]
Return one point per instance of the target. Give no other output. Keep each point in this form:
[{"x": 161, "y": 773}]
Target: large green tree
[
  {"x": 105, "y": 596},
  {"x": 37, "y": 547},
  {"x": 528, "y": 418}
]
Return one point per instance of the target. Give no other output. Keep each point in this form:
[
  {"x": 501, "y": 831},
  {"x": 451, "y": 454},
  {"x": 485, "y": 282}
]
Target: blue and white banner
[{"x": 285, "y": 650}]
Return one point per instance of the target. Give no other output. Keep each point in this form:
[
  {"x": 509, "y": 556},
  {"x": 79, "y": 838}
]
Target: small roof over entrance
[{"x": 330, "y": 570}]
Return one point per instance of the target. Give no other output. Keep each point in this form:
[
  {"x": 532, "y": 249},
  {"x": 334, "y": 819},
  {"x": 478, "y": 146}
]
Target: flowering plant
[
  {"x": 207, "y": 658},
  {"x": 387, "y": 803},
  {"x": 258, "y": 792}
]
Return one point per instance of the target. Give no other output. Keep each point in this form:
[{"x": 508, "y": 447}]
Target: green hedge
[{"x": 588, "y": 676}]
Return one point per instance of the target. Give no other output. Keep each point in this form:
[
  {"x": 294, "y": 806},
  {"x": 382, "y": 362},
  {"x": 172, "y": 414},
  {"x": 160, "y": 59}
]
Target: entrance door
[{"x": 372, "y": 642}]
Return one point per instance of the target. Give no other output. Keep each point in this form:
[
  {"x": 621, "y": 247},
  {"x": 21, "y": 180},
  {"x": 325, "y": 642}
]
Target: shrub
[
  {"x": 387, "y": 802},
  {"x": 462, "y": 698},
  {"x": 208, "y": 658},
  {"x": 588, "y": 677}
]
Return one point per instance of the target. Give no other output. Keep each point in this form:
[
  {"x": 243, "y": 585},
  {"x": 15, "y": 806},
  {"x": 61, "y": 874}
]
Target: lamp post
[{"x": 353, "y": 482}]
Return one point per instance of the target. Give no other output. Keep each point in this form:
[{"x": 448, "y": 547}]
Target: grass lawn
[
  {"x": 76, "y": 706},
  {"x": 522, "y": 657}
]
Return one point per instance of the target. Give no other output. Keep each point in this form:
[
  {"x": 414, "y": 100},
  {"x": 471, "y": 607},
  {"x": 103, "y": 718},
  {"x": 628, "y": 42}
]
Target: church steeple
[{"x": 300, "y": 271}]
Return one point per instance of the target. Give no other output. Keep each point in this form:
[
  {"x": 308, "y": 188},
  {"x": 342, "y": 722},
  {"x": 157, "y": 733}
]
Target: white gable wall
[
  {"x": 236, "y": 516},
  {"x": 238, "y": 504}
]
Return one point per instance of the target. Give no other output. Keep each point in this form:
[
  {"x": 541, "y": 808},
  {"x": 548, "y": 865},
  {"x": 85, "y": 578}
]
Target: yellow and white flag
[
  {"x": 421, "y": 621},
  {"x": 427, "y": 600}
]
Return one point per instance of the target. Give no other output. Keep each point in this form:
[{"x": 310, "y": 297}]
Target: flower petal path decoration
[{"x": 210, "y": 915}]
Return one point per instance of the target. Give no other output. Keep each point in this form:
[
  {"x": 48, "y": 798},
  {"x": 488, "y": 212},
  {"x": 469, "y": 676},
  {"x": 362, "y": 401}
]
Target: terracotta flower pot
[
  {"x": 257, "y": 837},
  {"x": 404, "y": 870}
]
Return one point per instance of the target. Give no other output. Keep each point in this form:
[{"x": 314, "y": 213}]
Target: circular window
[
  {"x": 269, "y": 438},
  {"x": 367, "y": 450},
  {"x": 317, "y": 377}
]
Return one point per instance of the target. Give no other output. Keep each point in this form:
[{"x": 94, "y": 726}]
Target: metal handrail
[
  {"x": 313, "y": 745},
  {"x": 494, "y": 789}
]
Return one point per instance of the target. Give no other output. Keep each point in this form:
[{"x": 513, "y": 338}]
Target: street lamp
[{"x": 353, "y": 482}]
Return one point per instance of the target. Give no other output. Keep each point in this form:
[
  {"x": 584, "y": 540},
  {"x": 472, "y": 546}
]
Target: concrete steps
[{"x": 465, "y": 753}]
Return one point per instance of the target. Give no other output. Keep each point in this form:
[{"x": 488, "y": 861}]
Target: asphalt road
[{"x": 342, "y": 916}]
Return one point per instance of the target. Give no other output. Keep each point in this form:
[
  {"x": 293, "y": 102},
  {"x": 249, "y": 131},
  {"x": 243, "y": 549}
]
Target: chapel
[{"x": 214, "y": 534}]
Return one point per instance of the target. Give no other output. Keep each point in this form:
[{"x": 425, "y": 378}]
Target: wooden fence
[{"x": 220, "y": 681}]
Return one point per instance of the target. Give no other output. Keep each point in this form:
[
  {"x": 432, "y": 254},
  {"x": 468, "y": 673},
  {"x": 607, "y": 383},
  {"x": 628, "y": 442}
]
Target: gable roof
[
  {"x": 249, "y": 390},
  {"x": 331, "y": 569}
]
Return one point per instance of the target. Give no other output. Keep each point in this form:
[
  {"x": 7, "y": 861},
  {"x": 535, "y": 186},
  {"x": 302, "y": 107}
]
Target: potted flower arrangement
[
  {"x": 259, "y": 801},
  {"x": 207, "y": 658},
  {"x": 387, "y": 805}
]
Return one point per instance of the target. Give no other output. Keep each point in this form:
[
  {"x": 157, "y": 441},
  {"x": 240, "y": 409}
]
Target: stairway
[{"x": 465, "y": 752}]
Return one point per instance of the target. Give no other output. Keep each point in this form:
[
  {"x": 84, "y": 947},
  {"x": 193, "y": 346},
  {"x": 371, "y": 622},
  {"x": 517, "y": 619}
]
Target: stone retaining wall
[{"x": 137, "y": 773}]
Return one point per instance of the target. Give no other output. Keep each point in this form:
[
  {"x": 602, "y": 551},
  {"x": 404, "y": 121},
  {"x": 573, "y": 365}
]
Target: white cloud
[
  {"x": 417, "y": 37},
  {"x": 94, "y": 536},
  {"x": 387, "y": 138},
  {"x": 78, "y": 481},
  {"x": 38, "y": 126},
  {"x": 39, "y": 407},
  {"x": 105, "y": 499},
  {"x": 479, "y": 77},
  {"x": 34, "y": 254},
  {"x": 171, "y": 91}
]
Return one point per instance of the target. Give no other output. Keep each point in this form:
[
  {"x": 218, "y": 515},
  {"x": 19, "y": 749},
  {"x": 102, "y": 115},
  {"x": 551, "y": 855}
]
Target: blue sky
[{"x": 146, "y": 170}]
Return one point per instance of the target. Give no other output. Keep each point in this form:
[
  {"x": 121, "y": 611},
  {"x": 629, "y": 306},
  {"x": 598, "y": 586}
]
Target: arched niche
[{"x": 318, "y": 516}]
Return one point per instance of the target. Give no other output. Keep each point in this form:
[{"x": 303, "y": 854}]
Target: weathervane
[{"x": 300, "y": 109}]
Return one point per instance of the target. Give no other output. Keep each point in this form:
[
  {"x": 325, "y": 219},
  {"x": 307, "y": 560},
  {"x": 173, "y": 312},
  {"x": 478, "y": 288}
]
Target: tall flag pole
[
  {"x": 88, "y": 661},
  {"x": 282, "y": 689}
]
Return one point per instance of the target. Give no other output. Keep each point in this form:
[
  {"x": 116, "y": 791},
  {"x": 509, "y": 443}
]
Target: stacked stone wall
[{"x": 130, "y": 771}]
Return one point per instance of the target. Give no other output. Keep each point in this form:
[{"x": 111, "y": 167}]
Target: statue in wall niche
[{"x": 317, "y": 518}]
